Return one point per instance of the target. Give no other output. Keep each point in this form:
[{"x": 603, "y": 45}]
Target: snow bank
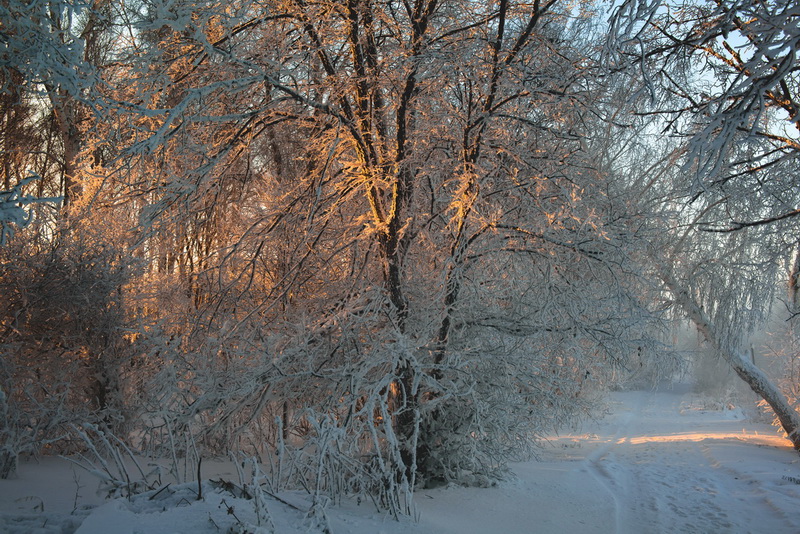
[{"x": 663, "y": 462}]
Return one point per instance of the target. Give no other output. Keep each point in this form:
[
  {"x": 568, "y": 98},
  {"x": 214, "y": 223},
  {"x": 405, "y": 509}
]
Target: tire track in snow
[
  {"x": 668, "y": 466},
  {"x": 657, "y": 483},
  {"x": 600, "y": 465}
]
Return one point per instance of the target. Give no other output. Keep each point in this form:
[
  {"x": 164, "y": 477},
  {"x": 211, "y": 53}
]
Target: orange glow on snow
[{"x": 755, "y": 439}]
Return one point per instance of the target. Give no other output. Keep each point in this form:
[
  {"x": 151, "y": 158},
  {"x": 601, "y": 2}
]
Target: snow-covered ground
[{"x": 661, "y": 462}]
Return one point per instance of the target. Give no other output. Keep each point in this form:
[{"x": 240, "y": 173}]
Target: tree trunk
[
  {"x": 794, "y": 281},
  {"x": 66, "y": 120},
  {"x": 8, "y": 453},
  {"x": 747, "y": 371},
  {"x": 8, "y": 463}
]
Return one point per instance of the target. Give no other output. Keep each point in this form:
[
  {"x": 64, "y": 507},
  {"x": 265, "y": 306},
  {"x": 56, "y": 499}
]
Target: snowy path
[
  {"x": 661, "y": 463},
  {"x": 664, "y": 476},
  {"x": 671, "y": 468}
]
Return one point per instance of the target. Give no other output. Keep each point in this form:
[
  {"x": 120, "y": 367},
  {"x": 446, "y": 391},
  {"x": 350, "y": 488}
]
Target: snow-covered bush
[
  {"x": 116, "y": 466},
  {"x": 63, "y": 335},
  {"x": 28, "y": 421}
]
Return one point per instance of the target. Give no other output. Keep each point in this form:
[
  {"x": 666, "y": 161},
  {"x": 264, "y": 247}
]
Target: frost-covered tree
[
  {"x": 722, "y": 79},
  {"x": 408, "y": 248},
  {"x": 381, "y": 238},
  {"x": 51, "y": 60}
]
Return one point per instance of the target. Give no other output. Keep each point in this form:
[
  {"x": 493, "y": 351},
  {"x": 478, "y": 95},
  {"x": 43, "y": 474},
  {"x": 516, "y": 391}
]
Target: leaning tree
[{"x": 720, "y": 79}]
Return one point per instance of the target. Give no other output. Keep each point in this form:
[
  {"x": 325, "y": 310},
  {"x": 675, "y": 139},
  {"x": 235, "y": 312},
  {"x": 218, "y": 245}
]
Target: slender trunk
[
  {"x": 8, "y": 463},
  {"x": 66, "y": 120},
  {"x": 8, "y": 453},
  {"x": 741, "y": 364},
  {"x": 794, "y": 281},
  {"x": 404, "y": 396}
]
